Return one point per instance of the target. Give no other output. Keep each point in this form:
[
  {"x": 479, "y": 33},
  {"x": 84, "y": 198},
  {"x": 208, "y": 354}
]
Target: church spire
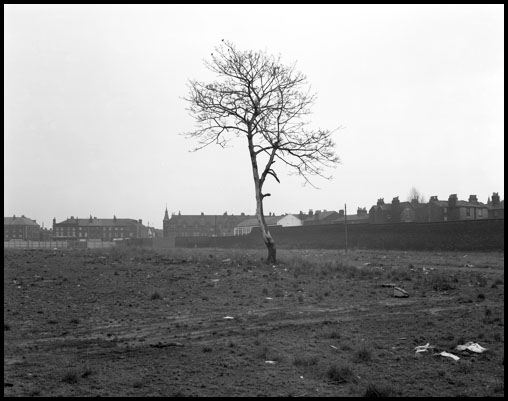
[{"x": 166, "y": 216}]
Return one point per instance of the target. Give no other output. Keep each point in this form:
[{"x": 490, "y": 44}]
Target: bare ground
[{"x": 222, "y": 323}]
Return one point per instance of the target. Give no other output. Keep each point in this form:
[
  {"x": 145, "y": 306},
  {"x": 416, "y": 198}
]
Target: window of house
[
  {"x": 445, "y": 210},
  {"x": 480, "y": 212},
  {"x": 468, "y": 211}
]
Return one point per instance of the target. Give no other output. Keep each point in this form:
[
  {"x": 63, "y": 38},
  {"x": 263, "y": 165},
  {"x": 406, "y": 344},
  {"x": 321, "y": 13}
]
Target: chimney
[
  {"x": 452, "y": 200},
  {"x": 341, "y": 213},
  {"x": 311, "y": 213},
  {"x": 495, "y": 199},
  {"x": 381, "y": 201},
  {"x": 396, "y": 201},
  {"x": 202, "y": 214},
  {"x": 433, "y": 198},
  {"x": 90, "y": 219},
  {"x": 140, "y": 221},
  {"x": 114, "y": 218},
  {"x": 242, "y": 214},
  {"x": 473, "y": 199}
]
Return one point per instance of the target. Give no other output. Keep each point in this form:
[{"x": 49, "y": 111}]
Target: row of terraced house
[{"x": 179, "y": 225}]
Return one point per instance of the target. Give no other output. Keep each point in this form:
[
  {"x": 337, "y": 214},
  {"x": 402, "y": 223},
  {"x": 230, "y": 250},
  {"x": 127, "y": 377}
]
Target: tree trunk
[{"x": 267, "y": 237}]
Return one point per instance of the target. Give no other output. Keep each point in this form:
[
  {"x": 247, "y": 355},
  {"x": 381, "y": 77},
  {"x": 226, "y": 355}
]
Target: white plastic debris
[
  {"x": 270, "y": 362},
  {"x": 399, "y": 293},
  {"x": 447, "y": 354},
  {"x": 422, "y": 348},
  {"x": 228, "y": 317},
  {"x": 471, "y": 346},
  {"x": 268, "y": 298}
]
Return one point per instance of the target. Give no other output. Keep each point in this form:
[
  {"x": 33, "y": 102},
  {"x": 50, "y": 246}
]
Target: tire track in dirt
[{"x": 203, "y": 328}]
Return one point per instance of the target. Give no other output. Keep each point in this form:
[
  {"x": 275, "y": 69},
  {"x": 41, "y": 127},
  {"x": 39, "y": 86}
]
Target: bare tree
[
  {"x": 415, "y": 194},
  {"x": 264, "y": 101}
]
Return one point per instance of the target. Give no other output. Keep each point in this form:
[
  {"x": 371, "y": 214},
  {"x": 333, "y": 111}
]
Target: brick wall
[{"x": 479, "y": 235}]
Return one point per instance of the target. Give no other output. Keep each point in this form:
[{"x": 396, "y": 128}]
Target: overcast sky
[{"x": 93, "y": 106}]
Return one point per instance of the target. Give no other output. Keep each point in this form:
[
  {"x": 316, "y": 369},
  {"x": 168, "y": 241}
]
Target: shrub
[
  {"x": 363, "y": 355},
  {"x": 377, "y": 390},
  {"x": 155, "y": 295},
  {"x": 305, "y": 360},
  {"x": 339, "y": 374}
]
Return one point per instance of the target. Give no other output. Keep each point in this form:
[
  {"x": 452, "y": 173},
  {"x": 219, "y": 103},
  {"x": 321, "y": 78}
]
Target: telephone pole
[{"x": 345, "y": 224}]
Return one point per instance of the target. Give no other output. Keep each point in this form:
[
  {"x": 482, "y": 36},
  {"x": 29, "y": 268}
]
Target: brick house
[
  {"x": 435, "y": 210},
  {"x": 318, "y": 217},
  {"x": 246, "y": 226},
  {"x": 361, "y": 216},
  {"x": 21, "y": 228},
  {"x": 103, "y": 229},
  {"x": 495, "y": 207},
  {"x": 200, "y": 225},
  {"x": 456, "y": 209}
]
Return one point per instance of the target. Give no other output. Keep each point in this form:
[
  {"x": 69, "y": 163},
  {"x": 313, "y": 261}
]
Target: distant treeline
[{"x": 475, "y": 235}]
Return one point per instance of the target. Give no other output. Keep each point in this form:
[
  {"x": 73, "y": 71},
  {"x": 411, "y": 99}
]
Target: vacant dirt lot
[{"x": 222, "y": 323}]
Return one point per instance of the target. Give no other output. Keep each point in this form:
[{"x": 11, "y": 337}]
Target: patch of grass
[
  {"x": 331, "y": 333},
  {"x": 74, "y": 320},
  {"x": 480, "y": 280},
  {"x": 464, "y": 367},
  {"x": 362, "y": 355},
  {"x": 339, "y": 374},
  {"x": 52, "y": 321},
  {"x": 70, "y": 377},
  {"x": 305, "y": 360},
  {"x": 7, "y": 326},
  {"x": 346, "y": 347},
  {"x": 155, "y": 296},
  {"x": 439, "y": 281},
  {"x": 207, "y": 349},
  {"x": 87, "y": 372},
  {"x": 380, "y": 390}
]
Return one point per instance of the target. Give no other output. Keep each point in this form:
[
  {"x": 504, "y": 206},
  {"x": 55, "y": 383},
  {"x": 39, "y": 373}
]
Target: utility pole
[{"x": 345, "y": 224}]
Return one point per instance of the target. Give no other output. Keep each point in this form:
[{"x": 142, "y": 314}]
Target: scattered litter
[
  {"x": 470, "y": 346},
  {"x": 423, "y": 348},
  {"x": 228, "y": 317},
  {"x": 301, "y": 377},
  {"x": 268, "y": 298},
  {"x": 468, "y": 265},
  {"x": 402, "y": 338},
  {"x": 367, "y": 264},
  {"x": 333, "y": 346},
  {"x": 399, "y": 293},
  {"x": 270, "y": 362},
  {"x": 388, "y": 285},
  {"x": 447, "y": 354},
  {"x": 226, "y": 260},
  {"x": 214, "y": 280}
]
